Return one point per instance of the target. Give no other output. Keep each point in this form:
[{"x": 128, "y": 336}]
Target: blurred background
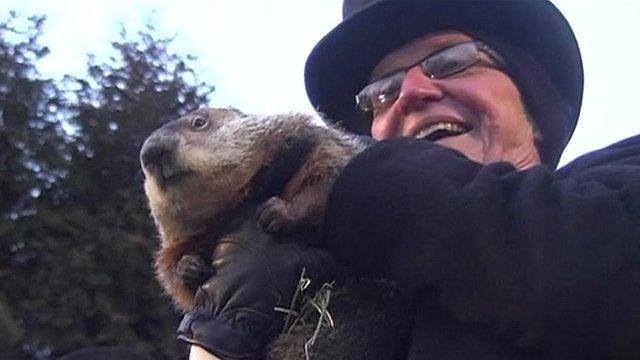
[{"x": 83, "y": 83}]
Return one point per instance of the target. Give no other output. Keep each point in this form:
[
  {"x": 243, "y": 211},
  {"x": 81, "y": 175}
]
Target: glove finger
[
  {"x": 203, "y": 299},
  {"x": 228, "y": 260},
  {"x": 193, "y": 270}
]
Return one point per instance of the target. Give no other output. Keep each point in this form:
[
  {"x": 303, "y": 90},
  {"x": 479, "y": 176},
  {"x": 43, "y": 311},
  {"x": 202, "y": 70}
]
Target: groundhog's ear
[
  {"x": 272, "y": 178},
  {"x": 236, "y": 111}
]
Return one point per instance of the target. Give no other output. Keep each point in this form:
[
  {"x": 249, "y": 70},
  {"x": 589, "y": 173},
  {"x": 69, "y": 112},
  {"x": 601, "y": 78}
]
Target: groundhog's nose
[{"x": 157, "y": 151}]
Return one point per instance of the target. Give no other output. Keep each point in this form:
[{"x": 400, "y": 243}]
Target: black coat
[{"x": 508, "y": 264}]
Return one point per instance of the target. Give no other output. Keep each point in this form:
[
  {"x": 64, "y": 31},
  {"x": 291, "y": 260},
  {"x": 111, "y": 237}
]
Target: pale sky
[{"x": 254, "y": 51}]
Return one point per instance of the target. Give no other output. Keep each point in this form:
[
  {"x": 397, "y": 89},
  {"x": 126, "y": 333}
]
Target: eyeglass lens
[{"x": 441, "y": 64}]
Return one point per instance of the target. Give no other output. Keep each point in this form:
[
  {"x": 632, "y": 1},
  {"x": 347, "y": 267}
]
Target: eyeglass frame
[{"x": 498, "y": 60}]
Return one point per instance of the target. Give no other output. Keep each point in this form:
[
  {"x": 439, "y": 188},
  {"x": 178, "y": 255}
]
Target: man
[{"x": 474, "y": 102}]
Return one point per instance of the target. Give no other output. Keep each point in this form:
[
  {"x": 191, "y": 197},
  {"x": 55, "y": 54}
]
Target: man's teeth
[{"x": 453, "y": 129}]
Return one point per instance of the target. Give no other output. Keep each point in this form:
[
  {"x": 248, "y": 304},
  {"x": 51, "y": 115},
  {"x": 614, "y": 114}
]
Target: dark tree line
[{"x": 76, "y": 239}]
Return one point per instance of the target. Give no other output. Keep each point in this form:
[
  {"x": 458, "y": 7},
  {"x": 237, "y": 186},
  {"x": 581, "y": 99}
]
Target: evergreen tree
[
  {"x": 33, "y": 157},
  {"x": 31, "y": 139},
  {"x": 87, "y": 278}
]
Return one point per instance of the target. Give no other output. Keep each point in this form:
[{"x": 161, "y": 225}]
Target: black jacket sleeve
[{"x": 545, "y": 259}]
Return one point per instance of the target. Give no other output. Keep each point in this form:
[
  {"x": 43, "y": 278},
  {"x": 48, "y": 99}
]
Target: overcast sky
[{"x": 253, "y": 51}]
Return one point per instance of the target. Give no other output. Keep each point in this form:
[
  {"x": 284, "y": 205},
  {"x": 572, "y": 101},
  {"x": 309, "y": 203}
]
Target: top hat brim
[{"x": 341, "y": 63}]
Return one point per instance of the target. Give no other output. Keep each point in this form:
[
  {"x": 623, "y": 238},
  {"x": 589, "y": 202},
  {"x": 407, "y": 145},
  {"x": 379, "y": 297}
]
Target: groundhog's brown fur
[{"x": 201, "y": 166}]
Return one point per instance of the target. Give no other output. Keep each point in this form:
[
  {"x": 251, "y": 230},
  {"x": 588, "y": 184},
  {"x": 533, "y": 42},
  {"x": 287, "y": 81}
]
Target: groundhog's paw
[
  {"x": 193, "y": 271},
  {"x": 274, "y": 216}
]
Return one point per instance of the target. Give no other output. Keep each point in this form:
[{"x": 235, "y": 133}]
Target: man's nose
[{"x": 417, "y": 90}]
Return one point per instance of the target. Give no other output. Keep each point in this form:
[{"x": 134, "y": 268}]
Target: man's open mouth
[{"x": 441, "y": 130}]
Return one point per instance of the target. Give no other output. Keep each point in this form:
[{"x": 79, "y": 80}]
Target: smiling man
[
  {"x": 451, "y": 90},
  {"x": 473, "y": 102}
]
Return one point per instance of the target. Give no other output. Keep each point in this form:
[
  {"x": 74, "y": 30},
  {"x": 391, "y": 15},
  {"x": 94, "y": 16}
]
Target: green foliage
[
  {"x": 76, "y": 239},
  {"x": 31, "y": 140},
  {"x": 32, "y": 160},
  {"x": 9, "y": 332}
]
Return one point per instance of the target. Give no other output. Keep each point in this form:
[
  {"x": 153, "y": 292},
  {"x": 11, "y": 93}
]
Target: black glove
[{"x": 235, "y": 316}]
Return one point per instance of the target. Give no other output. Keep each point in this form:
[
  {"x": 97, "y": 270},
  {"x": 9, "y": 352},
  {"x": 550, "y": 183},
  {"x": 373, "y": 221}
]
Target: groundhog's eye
[{"x": 198, "y": 123}]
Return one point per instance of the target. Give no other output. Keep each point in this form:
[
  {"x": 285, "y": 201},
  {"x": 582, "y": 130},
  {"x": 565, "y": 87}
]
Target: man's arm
[{"x": 537, "y": 255}]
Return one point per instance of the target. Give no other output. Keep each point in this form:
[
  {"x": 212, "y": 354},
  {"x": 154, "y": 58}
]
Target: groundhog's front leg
[{"x": 303, "y": 212}]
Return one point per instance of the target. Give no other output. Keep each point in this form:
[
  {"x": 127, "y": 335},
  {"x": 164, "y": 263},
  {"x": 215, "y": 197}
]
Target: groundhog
[{"x": 203, "y": 165}]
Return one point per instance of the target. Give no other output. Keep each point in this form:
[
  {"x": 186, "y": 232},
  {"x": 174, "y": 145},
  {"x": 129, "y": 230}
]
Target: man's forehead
[{"x": 415, "y": 51}]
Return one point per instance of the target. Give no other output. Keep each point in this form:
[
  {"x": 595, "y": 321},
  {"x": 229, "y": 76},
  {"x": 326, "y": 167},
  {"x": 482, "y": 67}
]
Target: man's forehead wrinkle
[{"x": 414, "y": 51}]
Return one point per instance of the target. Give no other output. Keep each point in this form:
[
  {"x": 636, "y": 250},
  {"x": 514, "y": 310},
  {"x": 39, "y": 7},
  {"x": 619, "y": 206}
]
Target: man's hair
[{"x": 546, "y": 107}]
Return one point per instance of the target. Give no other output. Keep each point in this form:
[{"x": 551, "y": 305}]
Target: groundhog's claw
[
  {"x": 274, "y": 216},
  {"x": 194, "y": 271}
]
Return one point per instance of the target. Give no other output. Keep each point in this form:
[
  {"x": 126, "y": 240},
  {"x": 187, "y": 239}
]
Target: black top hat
[{"x": 341, "y": 63}]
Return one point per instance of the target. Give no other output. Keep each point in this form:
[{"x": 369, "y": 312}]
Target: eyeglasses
[{"x": 441, "y": 64}]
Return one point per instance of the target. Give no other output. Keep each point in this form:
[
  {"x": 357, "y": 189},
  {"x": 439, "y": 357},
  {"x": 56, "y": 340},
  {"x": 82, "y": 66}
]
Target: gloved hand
[{"x": 235, "y": 316}]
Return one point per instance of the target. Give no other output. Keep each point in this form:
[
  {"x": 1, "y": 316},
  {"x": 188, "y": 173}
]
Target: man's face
[{"x": 478, "y": 111}]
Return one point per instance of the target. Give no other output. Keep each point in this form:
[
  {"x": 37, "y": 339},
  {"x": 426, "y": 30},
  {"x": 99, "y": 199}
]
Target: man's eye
[
  {"x": 446, "y": 68},
  {"x": 451, "y": 66}
]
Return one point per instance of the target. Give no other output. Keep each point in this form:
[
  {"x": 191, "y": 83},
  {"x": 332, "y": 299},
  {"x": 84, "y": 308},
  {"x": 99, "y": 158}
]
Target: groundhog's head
[{"x": 198, "y": 167}]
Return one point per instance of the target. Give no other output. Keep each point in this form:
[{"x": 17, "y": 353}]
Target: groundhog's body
[{"x": 200, "y": 167}]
